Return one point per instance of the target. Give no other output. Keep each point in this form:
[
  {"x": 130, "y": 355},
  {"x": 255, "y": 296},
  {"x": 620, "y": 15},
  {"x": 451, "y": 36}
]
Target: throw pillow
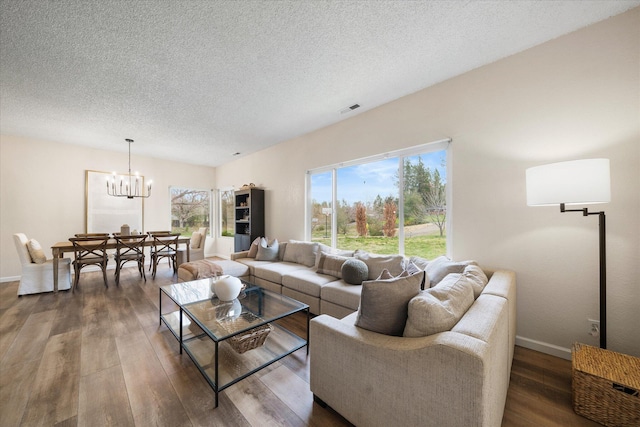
[
  {"x": 36, "y": 252},
  {"x": 253, "y": 249},
  {"x": 441, "y": 266},
  {"x": 420, "y": 262},
  {"x": 354, "y": 271},
  {"x": 329, "y": 250},
  {"x": 383, "y": 304},
  {"x": 477, "y": 278},
  {"x": 438, "y": 309},
  {"x": 331, "y": 265},
  {"x": 267, "y": 252},
  {"x": 301, "y": 252},
  {"x": 194, "y": 243},
  {"x": 377, "y": 263}
]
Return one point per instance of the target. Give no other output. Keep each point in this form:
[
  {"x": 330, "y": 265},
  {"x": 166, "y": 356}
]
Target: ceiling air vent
[{"x": 349, "y": 109}]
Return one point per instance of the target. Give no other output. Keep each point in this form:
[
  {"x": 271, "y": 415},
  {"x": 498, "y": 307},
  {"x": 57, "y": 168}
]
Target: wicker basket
[
  {"x": 606, "y": 386},
  {"x": 248, "y": 340}
]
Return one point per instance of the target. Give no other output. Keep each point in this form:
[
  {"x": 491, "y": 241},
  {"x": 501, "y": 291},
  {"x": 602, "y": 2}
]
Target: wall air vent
[{"x": 349, "y": 109}]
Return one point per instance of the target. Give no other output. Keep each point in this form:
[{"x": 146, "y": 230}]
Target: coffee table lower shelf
[{"x": 218, "y": 362}]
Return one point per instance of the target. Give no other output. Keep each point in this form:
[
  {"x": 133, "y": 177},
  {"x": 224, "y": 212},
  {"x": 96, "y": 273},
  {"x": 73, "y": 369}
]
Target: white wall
[
  {"x": 574, "y": 97},
  {"x": 42, "y": 191}
]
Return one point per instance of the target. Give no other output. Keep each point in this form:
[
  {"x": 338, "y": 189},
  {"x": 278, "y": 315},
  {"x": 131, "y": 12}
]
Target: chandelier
[{"x": 129, "y": 185}]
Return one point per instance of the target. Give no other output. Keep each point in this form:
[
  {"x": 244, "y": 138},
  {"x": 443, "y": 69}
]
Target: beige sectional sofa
[
  {"x": 456, "y": 377},
  {"x": 452, "y": 378}
]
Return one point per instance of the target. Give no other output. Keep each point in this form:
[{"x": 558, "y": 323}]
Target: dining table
[{"x": 60, "y": 248}]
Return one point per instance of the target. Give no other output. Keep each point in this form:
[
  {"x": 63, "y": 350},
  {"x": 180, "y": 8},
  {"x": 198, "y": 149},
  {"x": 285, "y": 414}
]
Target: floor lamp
[{"x": 578, "y": 182}]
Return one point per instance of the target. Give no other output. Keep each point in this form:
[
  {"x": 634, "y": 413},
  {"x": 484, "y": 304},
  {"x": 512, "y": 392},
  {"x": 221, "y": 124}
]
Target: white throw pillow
[
  {"x": 477, "y": 278},
  {"x": 36, "y": 252},
  {"x": 438, "y": 309},
  {"x": 194, "y": 243},
  {"x": 267, "y": 251},
  {"x": 441, "y": 266}
]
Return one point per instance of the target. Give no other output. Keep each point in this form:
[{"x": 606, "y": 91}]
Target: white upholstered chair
[
  {"x": 38, "y": 278},
  {"x": 196, "y": 247}
]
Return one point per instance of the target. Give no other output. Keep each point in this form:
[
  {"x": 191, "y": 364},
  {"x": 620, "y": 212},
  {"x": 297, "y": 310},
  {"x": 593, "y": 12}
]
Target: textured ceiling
[{"x": 197, "y": 81}]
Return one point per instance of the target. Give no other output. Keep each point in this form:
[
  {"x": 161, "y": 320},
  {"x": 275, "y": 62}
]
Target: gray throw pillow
[
  {"x": 376, "y": 263},
  {"x": 354, "y": 271},
  {"x": 384, "y": 304},
  {"x": 267, "y": 252}
]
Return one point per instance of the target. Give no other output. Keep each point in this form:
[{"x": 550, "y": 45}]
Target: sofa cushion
[
  {"x": 438, "y": 309},
  {"x": 441, "y": 266},
  {"x": 267, "y": 251},
  {"x": 354, "y": 271},
  {"x": 306, "y": 280},
  {"x": 273, "y": 271},
  {"x": 341, "y": 293},
  {"x": 383, "y": 303},
  {"x": 35, "y": 252},
  {"x": 377, "y": 263},
  {"x": 301, "y": 252},
  {"x": 477, "y": 278},
  {"x": 331, "y": 265}
]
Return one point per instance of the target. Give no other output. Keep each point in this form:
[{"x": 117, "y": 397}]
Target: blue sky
[{"x": 365, "y": 182}]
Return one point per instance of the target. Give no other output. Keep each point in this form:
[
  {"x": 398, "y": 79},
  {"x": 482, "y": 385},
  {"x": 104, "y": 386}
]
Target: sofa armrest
[
  {"x": 237, "y": 255},
  {"x": 427, "y": 379}
]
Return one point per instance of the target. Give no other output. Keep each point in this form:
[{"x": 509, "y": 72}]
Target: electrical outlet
[{"x": 593, "y": 327}]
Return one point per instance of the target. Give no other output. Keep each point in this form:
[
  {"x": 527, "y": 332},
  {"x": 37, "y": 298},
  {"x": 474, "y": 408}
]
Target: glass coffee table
[{"x": 228, "y": 341}]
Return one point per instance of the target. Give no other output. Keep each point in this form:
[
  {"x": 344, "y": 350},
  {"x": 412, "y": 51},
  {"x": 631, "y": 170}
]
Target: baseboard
[
  {"x": 543, "y": 347},
  {"x": 9, "y": 279}
]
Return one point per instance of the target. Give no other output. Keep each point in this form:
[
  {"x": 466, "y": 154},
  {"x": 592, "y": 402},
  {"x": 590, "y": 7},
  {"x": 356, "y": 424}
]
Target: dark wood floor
[{"x": 98, "y": 357}]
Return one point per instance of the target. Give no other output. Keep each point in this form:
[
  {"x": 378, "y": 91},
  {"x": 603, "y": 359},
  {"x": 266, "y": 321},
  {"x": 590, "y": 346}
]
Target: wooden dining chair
[
  {"x": 129, "y": 248},
  {"x": 89, "y": 251},
  {"x": 164, "y": 246},
  {"x": 152, "y": 249}
]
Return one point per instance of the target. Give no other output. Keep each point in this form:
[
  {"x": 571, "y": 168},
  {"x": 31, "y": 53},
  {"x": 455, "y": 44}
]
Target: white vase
[{"x": 227, "y": 288}]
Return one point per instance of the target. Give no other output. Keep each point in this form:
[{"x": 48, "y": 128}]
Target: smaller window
[
  {"x": 190, "y": 210},
  {"x": 226, "y": 212}
]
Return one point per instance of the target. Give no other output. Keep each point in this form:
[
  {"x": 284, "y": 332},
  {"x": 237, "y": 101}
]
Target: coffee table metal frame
[{"x": 189, "y": 299}]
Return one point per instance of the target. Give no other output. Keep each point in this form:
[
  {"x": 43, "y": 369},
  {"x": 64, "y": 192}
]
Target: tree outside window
[
  {"x": 226, "y": 213},
  {"x": 190, "y": 210}
]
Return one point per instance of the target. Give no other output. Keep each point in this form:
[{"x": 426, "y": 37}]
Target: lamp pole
[{"x": 603, "y": 269}]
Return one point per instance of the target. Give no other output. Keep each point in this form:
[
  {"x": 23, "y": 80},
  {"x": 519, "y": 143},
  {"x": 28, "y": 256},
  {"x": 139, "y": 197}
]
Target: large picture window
[
  {"x": 190, "y": 210},
  {"x": 392, "y": 203}
]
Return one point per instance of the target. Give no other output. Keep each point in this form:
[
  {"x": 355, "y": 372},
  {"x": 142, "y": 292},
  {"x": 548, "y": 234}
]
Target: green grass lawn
[{"x": 426, "y": 246}]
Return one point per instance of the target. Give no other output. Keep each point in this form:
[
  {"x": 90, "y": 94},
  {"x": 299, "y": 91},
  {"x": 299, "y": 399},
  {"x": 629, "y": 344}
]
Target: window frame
[{"x": 440, "y": 145}]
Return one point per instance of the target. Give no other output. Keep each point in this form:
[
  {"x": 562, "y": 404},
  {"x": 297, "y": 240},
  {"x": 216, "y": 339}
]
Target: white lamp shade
[{"x": 573, "y": 183}]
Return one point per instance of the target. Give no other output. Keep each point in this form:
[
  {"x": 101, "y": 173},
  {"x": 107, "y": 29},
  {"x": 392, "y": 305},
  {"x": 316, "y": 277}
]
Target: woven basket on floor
[
  {"x": 605, "y": 386},
  {"x": 248, "y": 340}
]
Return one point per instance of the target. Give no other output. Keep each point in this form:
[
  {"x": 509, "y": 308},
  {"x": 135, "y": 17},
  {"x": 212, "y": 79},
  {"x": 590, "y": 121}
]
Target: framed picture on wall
[{"x": 106, "y": 214}]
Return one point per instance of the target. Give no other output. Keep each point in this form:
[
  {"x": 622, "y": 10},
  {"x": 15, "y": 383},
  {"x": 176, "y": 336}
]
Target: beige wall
[
  {"x": 574, "y": 97},
  {"x": 42, "y": 191}
]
